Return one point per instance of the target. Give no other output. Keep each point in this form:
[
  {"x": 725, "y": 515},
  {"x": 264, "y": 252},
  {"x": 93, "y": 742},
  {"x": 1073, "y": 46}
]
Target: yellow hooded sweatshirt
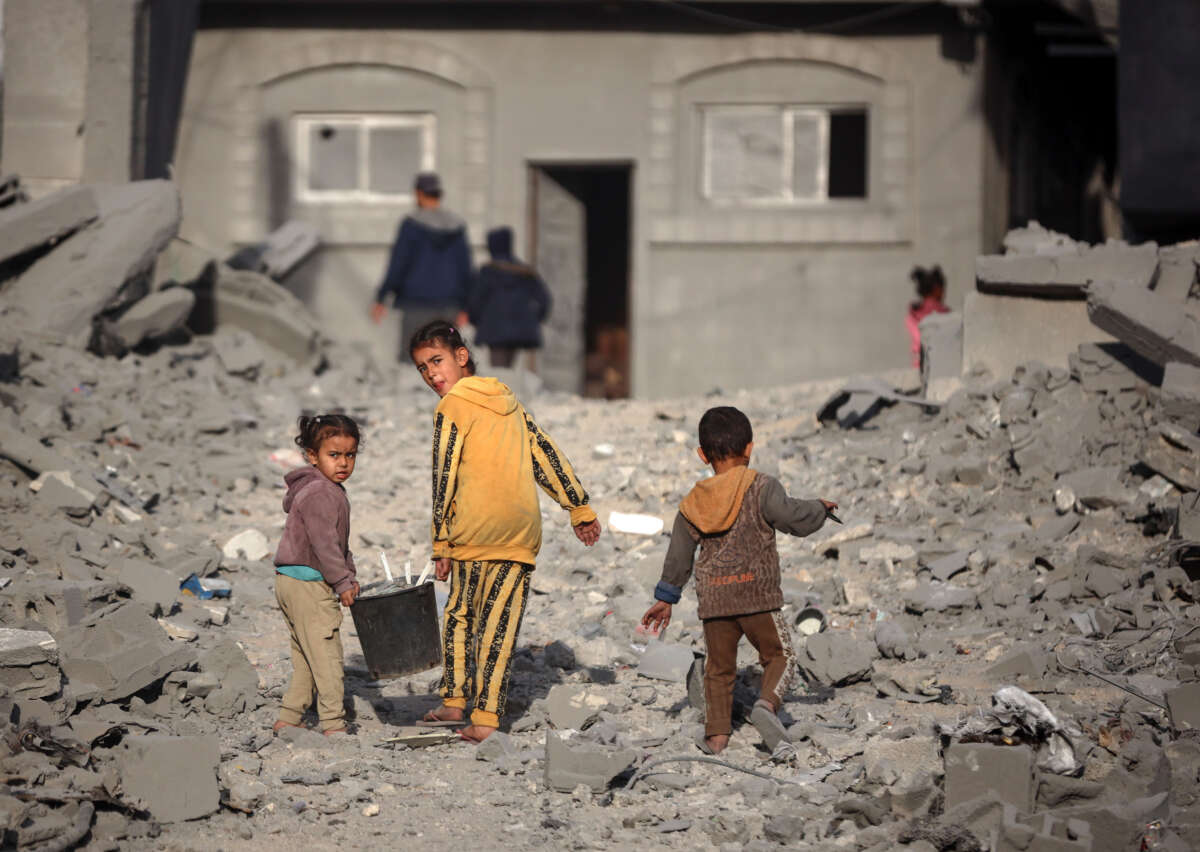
[{"x": 487, "y": 455}]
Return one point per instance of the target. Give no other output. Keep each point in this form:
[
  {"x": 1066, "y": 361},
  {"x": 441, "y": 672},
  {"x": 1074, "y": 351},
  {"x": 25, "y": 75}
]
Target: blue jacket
[
  {"x": 430, "y": 262},
  {"x": 509, "y": 301}
]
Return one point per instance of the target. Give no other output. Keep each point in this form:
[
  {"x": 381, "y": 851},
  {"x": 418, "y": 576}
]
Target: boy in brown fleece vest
[{"x": 733, "y": 517}]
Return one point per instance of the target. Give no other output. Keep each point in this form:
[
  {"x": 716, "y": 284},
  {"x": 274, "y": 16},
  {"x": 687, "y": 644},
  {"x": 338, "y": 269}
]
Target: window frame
[
  {"x": 303, "y": 123},
  {"x": 787, "y": 113}
]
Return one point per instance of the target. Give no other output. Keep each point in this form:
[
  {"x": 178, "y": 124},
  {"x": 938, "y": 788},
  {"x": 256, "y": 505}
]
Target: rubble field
[{"x": 1000, "y": 647}]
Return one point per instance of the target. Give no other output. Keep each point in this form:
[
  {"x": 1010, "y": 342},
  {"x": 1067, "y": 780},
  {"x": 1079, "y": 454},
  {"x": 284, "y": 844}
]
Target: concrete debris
[
  {"x": 1035, "y": 526},
  {"x": 570, "y": 764},
  {"x": 117, "y": 652},
  {"x": 1177, "y": 271},
  {"x": 1152, "y": 324},
  {"x": 1066, "y": 270},
  {"x": 835, "y": 658},
  {"x": 42, "y": 223},
  {"x": 173, "y": 778},
  {"x": 251, "y": 545},
  {"x": 941, "y": 349},
  {"x": 101, "y": 268},
  {"x": 282, "y": 251},
  {"x": 665, "y": 661},
  {"x": 1000, "y": 333},
  {"x": 1181, "y": 394},
  {"x": 155, "y": 316}
]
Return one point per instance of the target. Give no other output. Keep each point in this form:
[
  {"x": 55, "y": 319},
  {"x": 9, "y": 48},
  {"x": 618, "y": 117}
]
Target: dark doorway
[{"x": 580, "y": 242}]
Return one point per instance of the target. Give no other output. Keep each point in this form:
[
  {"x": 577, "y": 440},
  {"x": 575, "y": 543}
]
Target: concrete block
[
  {"x": 256, "y": 304},
  {"x": 24, "y": 227},
  {"x": 1099, "y": 487},
  {"x": 1067, "y": 274},
  {"x": 58, "y": 496},
  {"x": 1118, "y": 827},
  {"x": 666, "y": 661},
  {"x": 1180, "y": 398},
  {"x": 1150, "y": 323},
  {"x": 117, "y": 651},
  {"x": 28, "y": 664},
  {"x": 173, "y": 778},
  {"x": 155, "y": 315},
  {"x": 97, "y": 268},
  {"x": 238, "y": 690},
  {"x": 1187, "y": 520},
  {"x": 1040, "y": 833},
  {"x": 156, "y": 587},
  {"x": 941, "y": 348},
  {"x": 973, "y": 769},
  {"x": 1003, "y": 332},
  {"x": 569, "y": 764},
  {"x": 1184, "y": 704},
  {"x": 287, "y": 246},
  {"x": 1177, "y": 266},
  {"x": 570, "y": 706},
  {"x": 836, "y": 658}
]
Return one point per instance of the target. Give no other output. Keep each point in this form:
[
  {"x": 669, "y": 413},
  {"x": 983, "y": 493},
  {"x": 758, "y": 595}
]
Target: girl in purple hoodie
[{"x": 314, "y": 570}]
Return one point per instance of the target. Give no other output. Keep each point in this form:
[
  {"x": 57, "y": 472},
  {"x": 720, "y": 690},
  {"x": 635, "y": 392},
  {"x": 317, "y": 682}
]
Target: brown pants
[
  {"x": 769, "y": 635},
  {"x": 314, "y": 618}
]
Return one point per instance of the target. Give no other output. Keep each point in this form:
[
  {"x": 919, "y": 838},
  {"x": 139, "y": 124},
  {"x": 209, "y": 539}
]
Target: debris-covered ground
[{"x": 1009, "y": 659}]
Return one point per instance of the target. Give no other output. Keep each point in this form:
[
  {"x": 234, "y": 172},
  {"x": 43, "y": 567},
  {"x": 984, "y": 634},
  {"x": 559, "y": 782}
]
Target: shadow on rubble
[{"x": 531, "y": 679}]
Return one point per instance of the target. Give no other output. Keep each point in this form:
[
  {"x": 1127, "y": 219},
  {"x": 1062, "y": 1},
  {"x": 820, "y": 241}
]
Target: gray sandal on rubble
[
  {"x": 767, "y": 723},
  {"x": 702, "y": 744}
]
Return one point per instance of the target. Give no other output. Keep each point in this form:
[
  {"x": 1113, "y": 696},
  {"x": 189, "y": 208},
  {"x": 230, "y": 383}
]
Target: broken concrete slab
[
  {"x": 1003, "y": 332},
  {"x": 173, "y": 778},
  {"x": 893, "y": 641},
  {"x": 666, "y": 661},
  {"x": 100, "y": 267},
  {"x": 947, "y": 566},
  {"x": 28, "y": 664},
  {"x": 941, "y": 348},
  {"x": 157, "y": 588},
  {"x": 1151, "y": 324},
  {"x": 238, "y": 690},
  {"x": 569, "y": 764},
  {"x": 25, "y": 227},
  {"x": 1184, "y": 705},
  {"x": 570, "y": 706},
  {"x": 861, "y": 399},
  {"x": 929, "y": 596},
  {"x": 1067, "y": 274},
  {"x": 836, "y": 658},
  {"x": 1177, "y": 266},
  {"x": 151, "y": 317},
  {"x": 118, "y": 651},
  {"x": 974, "y": 769},
  {"x": 1099, "y": 487},
  {"x": 1187, "y": 518},
  {"x": 254, "y": 303},
  {"x": 1180, "y": 398},
  {"x": 56, "y": 495}
]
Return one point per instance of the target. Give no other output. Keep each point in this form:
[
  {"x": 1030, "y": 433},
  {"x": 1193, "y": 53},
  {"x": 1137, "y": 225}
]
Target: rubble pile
[{"x": 999, "y": 649}]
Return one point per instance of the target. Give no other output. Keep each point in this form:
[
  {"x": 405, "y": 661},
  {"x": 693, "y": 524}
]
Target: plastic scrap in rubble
[
  {"x": 206, "y": 587},
  {"x": 1014, "y": 710},
  {"x": 634, "y": 524}
]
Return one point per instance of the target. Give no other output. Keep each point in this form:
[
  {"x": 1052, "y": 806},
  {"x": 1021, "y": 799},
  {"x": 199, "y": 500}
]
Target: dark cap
[{"x": 428, "y": 183}]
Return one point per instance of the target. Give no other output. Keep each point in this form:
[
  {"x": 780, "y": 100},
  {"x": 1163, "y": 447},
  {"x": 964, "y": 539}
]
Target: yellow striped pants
[{"x": 479, "y": 631}]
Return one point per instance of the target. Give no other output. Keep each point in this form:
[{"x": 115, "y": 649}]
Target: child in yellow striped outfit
[{"x": 487, "y": 525}]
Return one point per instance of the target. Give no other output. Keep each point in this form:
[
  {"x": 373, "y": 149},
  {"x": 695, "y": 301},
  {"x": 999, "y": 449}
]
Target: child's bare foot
[
  {"x": 717, "y": 743},
  {"x": 280, "y": 725},
  {"x": 444, "y": 714},
  {"x": 476, "y": 733}
]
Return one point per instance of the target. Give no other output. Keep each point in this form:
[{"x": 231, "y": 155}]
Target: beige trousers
[{"x": 314, "y": 617}]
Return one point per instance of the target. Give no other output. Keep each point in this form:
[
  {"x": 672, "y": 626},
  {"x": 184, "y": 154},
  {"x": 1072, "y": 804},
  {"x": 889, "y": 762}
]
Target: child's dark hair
[
  {"x": 724, "y": 432},
  {"x": 927, "y": 280},
  {"x": 314, "y": 430},
  {"x": 440, "y": 333}
]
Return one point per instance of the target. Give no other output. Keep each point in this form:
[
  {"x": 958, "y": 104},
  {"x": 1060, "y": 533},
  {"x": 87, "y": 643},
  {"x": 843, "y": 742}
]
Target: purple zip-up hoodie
[{"x": 317, "y": 532}]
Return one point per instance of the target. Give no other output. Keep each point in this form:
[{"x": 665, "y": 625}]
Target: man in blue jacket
[{"x": 429, "y": 273}]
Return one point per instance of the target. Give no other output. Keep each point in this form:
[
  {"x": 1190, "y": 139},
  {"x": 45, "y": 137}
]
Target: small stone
[{"x": 371, "y": 810}]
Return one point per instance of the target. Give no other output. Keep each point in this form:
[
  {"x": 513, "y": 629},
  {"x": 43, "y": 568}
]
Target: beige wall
[{"x": 823, "y": 291}]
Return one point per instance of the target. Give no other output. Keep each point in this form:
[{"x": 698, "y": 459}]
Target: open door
[
  {"x": 580, "y": 242},
  {"x": 560, "y": 254}
]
